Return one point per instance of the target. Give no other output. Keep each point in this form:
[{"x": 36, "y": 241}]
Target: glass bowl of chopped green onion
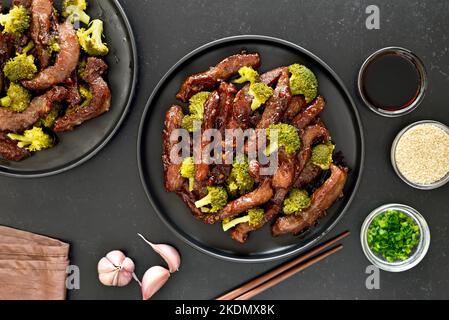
[{"x": 395, "y": 237}]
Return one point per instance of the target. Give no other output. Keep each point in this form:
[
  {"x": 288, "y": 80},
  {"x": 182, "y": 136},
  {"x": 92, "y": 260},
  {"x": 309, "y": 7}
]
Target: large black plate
[
  {"x": 82, "y": 144},
  {"x": 340, "y": 116}
]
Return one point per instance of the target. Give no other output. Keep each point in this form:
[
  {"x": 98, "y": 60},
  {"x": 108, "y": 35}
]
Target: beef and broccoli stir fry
[
  {"x": 234, "y": 95},
  {"x": 51, "y": 73}
]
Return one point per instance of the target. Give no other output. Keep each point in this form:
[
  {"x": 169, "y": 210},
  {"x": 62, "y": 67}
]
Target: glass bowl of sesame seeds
[{"x": 420, "y": 155}]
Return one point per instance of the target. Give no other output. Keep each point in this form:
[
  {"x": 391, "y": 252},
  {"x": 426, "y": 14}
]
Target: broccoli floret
[
  {"x": 17, "y": 21},
  {"x": 53, "y": 46},
  {"x": 22, "y": 66},
  {"x": 192, "y": 122},
  {"x": 33, "y": 140},
  {"x": 81, "y": 67},
  {"x": 216, "y": 198},
  {"x": 75, "y": 9},
  {"x": 91, "y": 40},
  {"x": 50, "y": 119},
  {"x": 82, "y": 4},
  {"x": 18, "y": 98},
  {"x": 196, "y": 104},
  {"x": 85, "y": 92},
  {"x": 188, "y": 171},
  {"x": 303, "y": 81},
  {"x": 240, "y": 180},
  {"x": 297, "y": 200},
  {"x": 247, "y": 74},
  {"x": 254, "y": 218},
  {"x": 261, "y": 93},
  {"x": 288, "y": 138},
  {"x": 322, "y": 155}
]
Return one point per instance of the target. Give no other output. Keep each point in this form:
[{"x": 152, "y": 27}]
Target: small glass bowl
[
  {"x": 417, "y": 62},
  {"x": 420, "y": 250},
  {"x": 431, "y": 186}
]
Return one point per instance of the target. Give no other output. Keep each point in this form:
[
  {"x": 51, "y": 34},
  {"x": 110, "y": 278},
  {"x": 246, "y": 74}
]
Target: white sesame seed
[{"x": 422, "y": 154}]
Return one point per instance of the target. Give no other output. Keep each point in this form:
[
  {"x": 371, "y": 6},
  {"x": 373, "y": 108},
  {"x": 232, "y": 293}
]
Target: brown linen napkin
[{"x": 32, "y": 267}]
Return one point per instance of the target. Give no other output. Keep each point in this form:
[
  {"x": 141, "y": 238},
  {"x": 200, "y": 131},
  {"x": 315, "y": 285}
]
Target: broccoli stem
[
  {"x": 28, "y": 47},
  {"x": 204, "y": 202},
  {"x": 231, "y": 224},
  {"x": 191, "y": 183},
  {"x": 272, "y": 147}
]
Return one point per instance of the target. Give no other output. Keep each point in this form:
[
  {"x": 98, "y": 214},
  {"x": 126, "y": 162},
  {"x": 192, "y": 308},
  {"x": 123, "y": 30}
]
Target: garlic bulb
[
  {"x": 115, "y": 269},
  {"x": 153, "y": 280},
  {"x": 167, "y": 252}
]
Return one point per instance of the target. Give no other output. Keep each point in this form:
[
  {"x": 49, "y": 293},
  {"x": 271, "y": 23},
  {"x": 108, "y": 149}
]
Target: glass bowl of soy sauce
[{"x": 392, "y": 81}]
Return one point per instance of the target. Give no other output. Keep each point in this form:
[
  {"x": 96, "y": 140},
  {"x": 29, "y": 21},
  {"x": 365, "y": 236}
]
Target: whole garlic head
[{"x": 116, "y": 269}]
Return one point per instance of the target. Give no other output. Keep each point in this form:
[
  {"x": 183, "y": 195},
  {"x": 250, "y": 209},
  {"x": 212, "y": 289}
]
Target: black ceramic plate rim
[
  {"x": 117, "y": 126},
  {"x": 250, "y": 38}
]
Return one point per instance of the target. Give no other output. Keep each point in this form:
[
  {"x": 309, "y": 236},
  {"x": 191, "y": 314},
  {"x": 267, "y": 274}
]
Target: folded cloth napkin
[{"x": 32, "y": 267}]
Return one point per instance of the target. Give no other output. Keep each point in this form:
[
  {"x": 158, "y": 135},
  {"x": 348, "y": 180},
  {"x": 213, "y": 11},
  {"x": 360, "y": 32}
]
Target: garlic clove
[
  {"x": 115, "y": 269},
  {"x": 153, "y": 280},
  {"x": 167, "y": 252}
]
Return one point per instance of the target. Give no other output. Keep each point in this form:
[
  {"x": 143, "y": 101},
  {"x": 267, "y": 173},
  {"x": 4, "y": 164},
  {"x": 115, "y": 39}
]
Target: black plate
[
  {"x": 76, "y": 147},
  {"x": 340, "y": 116}
]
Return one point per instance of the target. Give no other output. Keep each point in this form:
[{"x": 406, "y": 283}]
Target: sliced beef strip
[
  {"x": 25, "y": 3},
  {"x": 73, "y": 95},
  {"x": 273, "y": 208},
  {"x": 10, "y": 151},
  {"x": 173, "y": 121},
  {"x": 65, "y": 64},
  {"x": 211, "y": 110},
  {"x": 40, "y": 106},
  {"x": 308, "y": 115},
  {"x": 297, "y": 103},
  {"x": 227, "y": 94},
  {"x": 322, "y": 199},
  {"x": 100, "y": 102},
  {"x": 282, "y": 181},
  {"x": 221, "y": 72},
  {"x": 258, "y": 197},
  {"x": 278, "y": 103},
  {"x": 41, "y": 16}
]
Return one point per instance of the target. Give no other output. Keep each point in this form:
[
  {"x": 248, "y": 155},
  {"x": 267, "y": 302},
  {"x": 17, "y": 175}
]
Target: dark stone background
[{"x": 101, "y": 205}]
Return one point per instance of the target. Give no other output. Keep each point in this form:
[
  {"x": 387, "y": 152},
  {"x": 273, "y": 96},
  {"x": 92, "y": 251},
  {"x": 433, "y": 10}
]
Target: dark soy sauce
[{"x": 391, "y": 82}]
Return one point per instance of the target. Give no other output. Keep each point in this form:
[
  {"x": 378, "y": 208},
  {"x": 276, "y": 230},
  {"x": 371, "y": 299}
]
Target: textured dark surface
[{"x": 101, "y": 205}]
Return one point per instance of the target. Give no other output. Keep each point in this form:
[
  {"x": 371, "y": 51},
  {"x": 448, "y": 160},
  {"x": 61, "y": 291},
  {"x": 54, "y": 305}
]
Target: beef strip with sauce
[
  {"x": 242, "y": 231},
  {"x": 40, "y": 106},
  {"x": 262, "y": 194},
  {"x": 173, "y": 121},
  {"x": 210, "y": 113},
  {"x": 297, "y": 103},
  {"x": 221, "y": 72},
  {"x": 41, "y": 16},
  {"x": 66, "y": 61},
  {"x": 282, "y": 181},
  {"x": 10, "y": 151},
  {"x": 100, "y": 102},
  {"x": 322, "y": 199},
  {"x": 308, "y": 115},
  {"x": 278, "y": 103}
]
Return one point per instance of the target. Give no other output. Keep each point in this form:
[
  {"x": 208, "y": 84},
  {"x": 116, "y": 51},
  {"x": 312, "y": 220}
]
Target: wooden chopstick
[
  {"x": 279, "y": 270},
  {"x": 283, "y": 276}
]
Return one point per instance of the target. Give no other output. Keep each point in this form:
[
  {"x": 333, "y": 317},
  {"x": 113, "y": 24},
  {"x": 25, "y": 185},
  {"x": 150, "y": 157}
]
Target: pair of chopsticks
[{"x": 285, "y": 271}]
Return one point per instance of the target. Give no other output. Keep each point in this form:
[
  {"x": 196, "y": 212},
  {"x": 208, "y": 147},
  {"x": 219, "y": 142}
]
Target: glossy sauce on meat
[
  {"x": 65, "y": 64},
  {"x": 173, "y": 121},
  {"x": 221, "y": 72},
  {"x": 11, "y": 121},
  {"x": 322, "y": 199},
  {"x": 100, "y": 102}
]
